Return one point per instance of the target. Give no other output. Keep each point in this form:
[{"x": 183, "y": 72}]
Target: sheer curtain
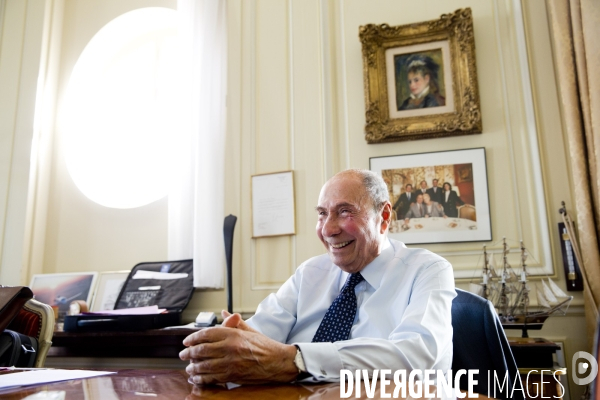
[
  {"x": 196, "y": 201},
  {"x": 574, "y": 26}
]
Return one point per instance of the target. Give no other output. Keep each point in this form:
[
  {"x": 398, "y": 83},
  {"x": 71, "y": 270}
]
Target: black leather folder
[{"x": 166, "y": 284}]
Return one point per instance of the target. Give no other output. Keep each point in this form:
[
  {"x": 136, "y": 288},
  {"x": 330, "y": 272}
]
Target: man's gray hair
[{"x": 375, "y": 187}]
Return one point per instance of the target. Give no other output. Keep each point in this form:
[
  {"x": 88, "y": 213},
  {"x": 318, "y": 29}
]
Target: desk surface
[{"x": 169, "y": 384}]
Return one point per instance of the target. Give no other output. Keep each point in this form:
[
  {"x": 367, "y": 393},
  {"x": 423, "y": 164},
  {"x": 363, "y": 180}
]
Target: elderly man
[
  {"x": 417, "y": 209},
  {"x": 369, "y": 303},
  {"x": 432, "y": 208}
]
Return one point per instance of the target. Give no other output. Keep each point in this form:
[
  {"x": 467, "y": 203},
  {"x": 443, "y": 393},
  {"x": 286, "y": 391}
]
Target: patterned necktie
[{"x": 338, "y": 320}]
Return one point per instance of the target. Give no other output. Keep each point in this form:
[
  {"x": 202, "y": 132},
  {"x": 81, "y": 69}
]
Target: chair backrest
[
  {"x": 595, "y": 384},
  {"x": 228, "y": 228},
  {"x": 467, "y": 211},
  {"x": 479, "y": 343},
  {"x": 36, "y": 319}
]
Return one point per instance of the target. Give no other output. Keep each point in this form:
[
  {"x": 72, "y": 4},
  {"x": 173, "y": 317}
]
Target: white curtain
[{"x": 196, "y": 201}]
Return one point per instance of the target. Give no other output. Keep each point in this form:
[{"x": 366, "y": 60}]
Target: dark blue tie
[{"x": 338, "y": 320}]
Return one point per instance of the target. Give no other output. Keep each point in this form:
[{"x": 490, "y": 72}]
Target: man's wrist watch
[{"x": 299, "y": 361}]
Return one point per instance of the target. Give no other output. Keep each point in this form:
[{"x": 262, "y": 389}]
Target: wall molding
[
  {"x": 521, "y": 137},
  {"x": 256, "y": 269}
]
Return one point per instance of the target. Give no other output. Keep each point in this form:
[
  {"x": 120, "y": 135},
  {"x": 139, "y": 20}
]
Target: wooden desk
[
  {"x": 160, "y": 384},
  {"x": 169, "y": 384},
  {"x": 534, "y": 355},
  {"x": 155, "y": 343},
  {"x": 533, "y": 352}
]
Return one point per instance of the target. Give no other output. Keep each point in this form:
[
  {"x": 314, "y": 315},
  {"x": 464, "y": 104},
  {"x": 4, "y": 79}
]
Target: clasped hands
[{"x": 234, "y": 352}]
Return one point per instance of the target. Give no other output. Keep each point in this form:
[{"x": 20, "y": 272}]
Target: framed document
[
  {"x": 273, "y": 210},
  {"x": 108, "y": 289}
]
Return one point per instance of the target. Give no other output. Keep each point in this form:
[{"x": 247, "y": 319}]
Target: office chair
[
  {"x": 467, "y": 211},
  {"x": 36, "y": 319},
  {"x": 228, "y": 228},
  {"x": 479, "y": 343},
  {"x": 594, "y": 386}
]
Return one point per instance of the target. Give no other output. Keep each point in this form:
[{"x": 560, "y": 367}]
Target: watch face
[{"x": 299, "y": 361}]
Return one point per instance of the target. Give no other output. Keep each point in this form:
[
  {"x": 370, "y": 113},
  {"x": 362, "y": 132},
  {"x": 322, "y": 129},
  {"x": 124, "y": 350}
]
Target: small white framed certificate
[
  {"x": 108, "y": 289},
  {"x": 273, "y": 209}
]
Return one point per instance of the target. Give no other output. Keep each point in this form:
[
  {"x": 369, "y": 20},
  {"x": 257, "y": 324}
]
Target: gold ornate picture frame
[{"x": 421, "y": 79}]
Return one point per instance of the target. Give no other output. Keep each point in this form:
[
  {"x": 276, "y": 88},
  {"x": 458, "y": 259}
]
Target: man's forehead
[
  {"x": 335, "y": 206},
  {"x": 344, "y": 190}
]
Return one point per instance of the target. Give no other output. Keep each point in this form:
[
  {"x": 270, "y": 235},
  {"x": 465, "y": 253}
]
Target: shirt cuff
[{"x": 322, "y": 360}]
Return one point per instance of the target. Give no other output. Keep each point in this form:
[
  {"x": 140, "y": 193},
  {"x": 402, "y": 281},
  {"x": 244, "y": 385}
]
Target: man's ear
[{"x": 386, "y": 217}]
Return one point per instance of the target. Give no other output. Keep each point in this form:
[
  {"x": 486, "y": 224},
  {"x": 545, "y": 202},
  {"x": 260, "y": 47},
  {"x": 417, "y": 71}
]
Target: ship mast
[
  {"x": 484, "y": 283},
  {"x": 503, "y": 301},
  {"x": 524, "y": 290}
]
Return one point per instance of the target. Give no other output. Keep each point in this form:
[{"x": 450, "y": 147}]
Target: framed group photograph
[
  {"x": 437, "y": 197},
  {"x": 421, "y": 79},
  {"x": 61, "y": 289}
]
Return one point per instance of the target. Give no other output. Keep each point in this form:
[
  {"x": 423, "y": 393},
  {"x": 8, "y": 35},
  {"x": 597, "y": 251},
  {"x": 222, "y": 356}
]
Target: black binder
[{"x": 172, "y": 294}]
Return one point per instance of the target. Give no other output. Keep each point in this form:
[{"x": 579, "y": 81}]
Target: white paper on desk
[
  {"x": 142, "y": 274},
  {"x": 191, "y": 325},
  {"x": 129, "y": 311},
  {"x": 46, "y": 376}
]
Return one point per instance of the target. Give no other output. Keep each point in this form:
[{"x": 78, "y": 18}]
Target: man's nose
[{"x": 330, "y": 226}]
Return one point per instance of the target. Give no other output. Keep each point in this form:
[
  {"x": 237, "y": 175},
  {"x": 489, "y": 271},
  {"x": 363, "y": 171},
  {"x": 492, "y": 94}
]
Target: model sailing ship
[{"x": 510, "y": 293}]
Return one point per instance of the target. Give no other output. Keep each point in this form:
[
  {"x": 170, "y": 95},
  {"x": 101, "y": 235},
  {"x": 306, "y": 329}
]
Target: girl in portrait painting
[{"x": 423, "y": 84}]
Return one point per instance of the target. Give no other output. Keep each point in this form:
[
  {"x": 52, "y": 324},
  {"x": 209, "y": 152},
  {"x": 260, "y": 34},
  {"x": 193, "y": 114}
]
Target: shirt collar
[
  {"x": 423, "y": 93},
  {"x": 373, "y": 272}
]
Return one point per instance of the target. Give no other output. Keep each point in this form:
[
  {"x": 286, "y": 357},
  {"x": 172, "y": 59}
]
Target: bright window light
[{"x": 120, "y": 114}]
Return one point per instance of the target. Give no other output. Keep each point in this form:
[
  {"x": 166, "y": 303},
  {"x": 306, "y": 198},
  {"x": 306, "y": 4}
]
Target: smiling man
[{"x": 369, "y": 303}]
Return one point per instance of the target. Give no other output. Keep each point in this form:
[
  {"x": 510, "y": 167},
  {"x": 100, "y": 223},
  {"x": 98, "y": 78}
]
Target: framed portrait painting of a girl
[{"x": 421, "y": 79}]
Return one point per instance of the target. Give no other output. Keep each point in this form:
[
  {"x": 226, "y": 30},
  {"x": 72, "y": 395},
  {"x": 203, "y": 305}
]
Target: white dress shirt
[{"x": 403, "y": 319}]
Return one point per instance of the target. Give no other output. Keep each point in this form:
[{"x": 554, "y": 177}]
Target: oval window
[{"x": 120, "y": 110}]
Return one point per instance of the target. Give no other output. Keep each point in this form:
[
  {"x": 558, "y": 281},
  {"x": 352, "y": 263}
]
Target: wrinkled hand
[
  {"x": 240, "y": 355},
  {"x": 235, "y": 321}
]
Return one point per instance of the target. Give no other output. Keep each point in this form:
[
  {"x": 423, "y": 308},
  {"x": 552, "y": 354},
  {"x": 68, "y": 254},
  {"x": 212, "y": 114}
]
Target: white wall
[
  {"x": 21, "y": 30},
  {"x": 79, "y": 234},
  {"x": 300, "y": 104},
  {"x": 296, "y": 102}
]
